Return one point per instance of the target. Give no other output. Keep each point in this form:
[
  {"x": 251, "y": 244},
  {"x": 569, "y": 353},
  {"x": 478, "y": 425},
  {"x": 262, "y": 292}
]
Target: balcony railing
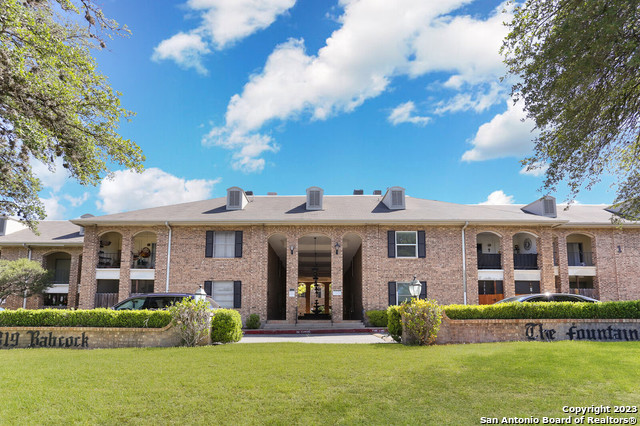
[
  {"x": 108, "y": 260},
  {"x": 525, "y": 261},
  {"x": 589, "y": 292},
  {"x": 580, "y": 258},
  {"x": 489, "y": 261},
  {"x": 144, "y": 263}
]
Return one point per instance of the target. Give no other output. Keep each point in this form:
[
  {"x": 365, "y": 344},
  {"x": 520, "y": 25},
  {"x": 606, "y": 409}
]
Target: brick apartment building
[{"x": 289, "y": 257}]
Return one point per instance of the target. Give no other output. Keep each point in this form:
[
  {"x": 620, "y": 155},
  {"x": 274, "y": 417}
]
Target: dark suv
[{"x": 156, "y": 301}]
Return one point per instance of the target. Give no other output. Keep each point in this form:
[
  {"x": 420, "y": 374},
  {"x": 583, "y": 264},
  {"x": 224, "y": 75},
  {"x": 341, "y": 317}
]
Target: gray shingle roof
[
  {"x": 344, "y": 209},
  {"x": 52, "y": 232}
]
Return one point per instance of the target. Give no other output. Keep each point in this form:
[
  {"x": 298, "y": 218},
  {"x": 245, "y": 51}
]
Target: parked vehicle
[
  {"x": 549, "y": 297},
  {"x": 156, "y": 301}
]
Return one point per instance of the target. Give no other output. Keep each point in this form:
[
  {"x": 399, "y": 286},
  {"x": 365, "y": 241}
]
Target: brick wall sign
[
  {"x": 550, "y": 330},
  {"x": 87, "y": 337}
]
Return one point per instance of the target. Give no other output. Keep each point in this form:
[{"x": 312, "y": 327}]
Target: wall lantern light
[
  {"x": 200, "y": 294},
  {"x": 415, "y": 287},
  {"x": 291, "y": 248},
  {"x": 337, "y": 247}
]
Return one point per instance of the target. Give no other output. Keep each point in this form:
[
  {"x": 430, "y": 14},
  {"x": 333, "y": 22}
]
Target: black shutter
[
  {"x": 422, "y": 251},
  {"x": 208, "y": 251},
  {"x": 392, "y": 293},
  {"x": 237, "y": 294},
  {"x": 208, "y": 288},
  {"x": 238, "y": 243},
  {"x": 391, "y": 243},
  {"x": 423, "y": 291}
]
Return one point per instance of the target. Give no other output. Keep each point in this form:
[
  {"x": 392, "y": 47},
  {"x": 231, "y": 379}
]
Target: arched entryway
[
  {"x": 352, "y": 276},
  {"x": 59, "y": 264},
  {"x": 314, "y": 277},
  {"x": 277, "y": 277}
]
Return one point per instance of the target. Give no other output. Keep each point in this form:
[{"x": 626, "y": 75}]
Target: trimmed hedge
[
  {"x": 377, "y": 318},
  {"x": 394, "y": 322},
  {"x": 546, "y": 310},
  {"x": 84, "y": 318},
  {"x": 226, "y": 326}
]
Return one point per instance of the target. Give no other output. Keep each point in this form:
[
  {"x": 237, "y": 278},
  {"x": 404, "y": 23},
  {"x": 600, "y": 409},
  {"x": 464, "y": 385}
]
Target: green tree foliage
[
  {"x": 53, "y": 101},
  {"x": 22, "y": 276},
  {"x": 577, "y": 67}
]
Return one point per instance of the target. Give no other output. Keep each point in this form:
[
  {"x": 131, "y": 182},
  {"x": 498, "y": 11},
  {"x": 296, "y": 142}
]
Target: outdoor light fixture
[
  {"x": 415, "y": 287},
  {"x": 337, "y": 247},
  {"x": 292, "y": 247},
  {"x": 200, "y": 294}
]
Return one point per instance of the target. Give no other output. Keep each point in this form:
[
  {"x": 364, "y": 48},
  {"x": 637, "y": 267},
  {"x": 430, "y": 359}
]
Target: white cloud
[
  {"x": 76, "y": 201},
  {"x": 378, "y": 40},
  {"x": 505, "y": 135},
  {"x": 53, "y": 208},
  {"x": 223, "y": 22},
  {"x": 539, "y": 170},
  {"x": 128, "y": 190},
  {"x": 185, "y": 49},
  {"x": 478, "y": 100},
  {"x": 50, "y": 179},
  {"x": 498, "y": 198},
  {"x": 404, "y": 113}
]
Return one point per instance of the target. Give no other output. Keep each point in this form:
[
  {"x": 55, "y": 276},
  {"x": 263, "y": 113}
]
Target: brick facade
[{"x": 616, "y": 255}]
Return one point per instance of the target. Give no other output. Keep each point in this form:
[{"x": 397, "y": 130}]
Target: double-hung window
[
  {"x": 406, "y": 244},
  {"x": 403, "y": 293},
  {"x": 224, "y": 244},
  {"x": 228, "y": 294}
]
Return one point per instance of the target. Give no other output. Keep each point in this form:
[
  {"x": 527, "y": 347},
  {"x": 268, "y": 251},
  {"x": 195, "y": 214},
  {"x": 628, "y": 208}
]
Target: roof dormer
[
  {"x": 545, "y": 206},
  {"x": 394, "y": 198},
  {"x": 314, "y": 198},
  {"x": 236, "y": 198}
]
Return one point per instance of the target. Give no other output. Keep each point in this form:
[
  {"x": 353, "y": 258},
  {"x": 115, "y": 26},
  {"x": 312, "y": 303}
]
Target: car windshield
[
  {"x": 131, "y": 304},
  {"x": 509, "y": 299}
]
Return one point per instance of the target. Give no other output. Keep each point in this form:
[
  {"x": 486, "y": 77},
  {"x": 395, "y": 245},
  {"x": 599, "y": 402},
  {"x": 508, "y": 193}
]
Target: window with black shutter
[
  {"x": 237, "y": 294},
  {"x": 391, "y": 243},
  {"x": 223, "y": 244},
  {"x": 392, "y": 293}
]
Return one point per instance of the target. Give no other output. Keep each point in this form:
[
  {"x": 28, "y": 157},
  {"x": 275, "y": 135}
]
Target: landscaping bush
[
  {"x": 421, "y": 318},
  {"x": 84, "y": 318},
  {"x": 253, "y": 322},
  {"x": 226, "y": 326},
  {"x": 546, "y": 310},
  {"x": 377, "y": 318},
  {"x": 193, "y": 318},
  {"x": 394, "y": 322}
]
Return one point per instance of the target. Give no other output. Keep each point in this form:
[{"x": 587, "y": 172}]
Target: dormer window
[
  {"x": 314, "y": 198},
  {"x": 236, "y": 198},
  {"x": 549, "y": 207},
  {"x": 394, "y": 198},
  {"x": 3, "y": 225},
  {"x": 545, "y": 206}
]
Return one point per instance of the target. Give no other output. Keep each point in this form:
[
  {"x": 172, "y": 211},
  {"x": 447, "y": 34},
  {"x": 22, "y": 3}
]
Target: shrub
[
  {"x": 253, "y": 322},
  {"x": 546, "y": 310},
  {"x": 226, "y": 326},
  {"x": 192, "y": 317},
  {"x": 422, "y": 319},
  {"x": 377, "y": 318},
  {"x": 394, "y": 322},
  {"x": 84, "y": 318}
]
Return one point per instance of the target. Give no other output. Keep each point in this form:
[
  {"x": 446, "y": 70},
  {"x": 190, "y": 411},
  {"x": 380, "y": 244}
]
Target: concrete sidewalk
[{"x": 318, "y": 338}]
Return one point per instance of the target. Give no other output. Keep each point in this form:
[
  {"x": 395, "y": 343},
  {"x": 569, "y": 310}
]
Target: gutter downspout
[
  {"x": 24, "y": 299},
  {"x": 464, "y": 263},
  {"x": 168, "y": 257}
]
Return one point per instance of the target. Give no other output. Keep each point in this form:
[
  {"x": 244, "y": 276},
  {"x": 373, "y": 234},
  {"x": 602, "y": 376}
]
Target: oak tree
[
  {"x": 23, "y": 277},
  {"x": 54, "y": 103},
  {"x": 577, "y": 67}
]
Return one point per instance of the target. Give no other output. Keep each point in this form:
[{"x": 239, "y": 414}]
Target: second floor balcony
[
  {"x": 580, "y": 258},
  {"x": 489, "y": 261},
  {"x": 525, "y": 261},
  {"x": 108, "y": 260}
]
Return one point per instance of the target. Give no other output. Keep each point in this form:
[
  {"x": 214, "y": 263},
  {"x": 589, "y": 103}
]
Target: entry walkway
[{"x": 318, "y": 338}]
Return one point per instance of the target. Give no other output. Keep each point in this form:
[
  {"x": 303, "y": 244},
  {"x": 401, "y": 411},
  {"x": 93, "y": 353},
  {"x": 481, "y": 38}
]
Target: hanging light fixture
[{"x": 315, "y": 268}]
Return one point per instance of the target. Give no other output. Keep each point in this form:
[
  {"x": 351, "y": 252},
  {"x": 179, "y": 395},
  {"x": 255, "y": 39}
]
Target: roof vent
[
  {"x": 377, "y": 192},
  {"x": 236, "y": 198},
  {"x": 81, "y": 231},
  {"x": 394, "y": 198},
  {"x": 3, "y": 225},
  {"x": 272, "y": 193},
  {"x": 545, "y": 206},
  {"x": 86, "y": 216},
  {"x": 358, "y": 192},
  {"x": 314, "y": 198}
]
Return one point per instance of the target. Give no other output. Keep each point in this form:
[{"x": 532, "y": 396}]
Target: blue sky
[{"x": 280, "y": 95}]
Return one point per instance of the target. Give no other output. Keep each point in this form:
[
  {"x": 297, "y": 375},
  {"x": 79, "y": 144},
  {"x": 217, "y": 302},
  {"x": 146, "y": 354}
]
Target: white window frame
[
  {"x": 407, "y": 245},
  {"x": 216, "y": 234},
  {"x": 213, "y": 294},
  {"x": 398, "y": 301}
]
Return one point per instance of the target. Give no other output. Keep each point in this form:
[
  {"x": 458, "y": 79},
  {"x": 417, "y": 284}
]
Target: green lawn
[{"x": 314, "y": 384}]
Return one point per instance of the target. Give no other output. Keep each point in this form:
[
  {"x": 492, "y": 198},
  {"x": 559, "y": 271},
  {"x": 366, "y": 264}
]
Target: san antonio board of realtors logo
[{"x": 599, "y": 332}]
